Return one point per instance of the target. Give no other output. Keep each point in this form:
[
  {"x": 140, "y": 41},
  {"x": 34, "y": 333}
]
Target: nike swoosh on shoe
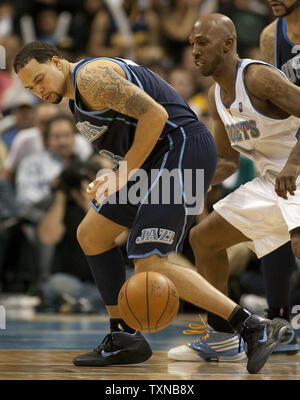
[
  {"x": 265, "y": 337},
  {"x": 110, "y": 353}
]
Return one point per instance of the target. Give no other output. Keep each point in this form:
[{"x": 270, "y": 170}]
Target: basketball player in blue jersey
[
  {"x": 280, "y": 46},
  {"x": 255, "y": 111},
  {"x": 137, "y": 119}
]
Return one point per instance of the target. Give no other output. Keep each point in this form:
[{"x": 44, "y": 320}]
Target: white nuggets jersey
[{"x": 265, "y": 140}]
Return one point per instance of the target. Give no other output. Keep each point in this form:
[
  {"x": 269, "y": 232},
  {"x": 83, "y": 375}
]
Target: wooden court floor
[
  {"x": 57, "y": 365},
  {"x": 43, "y": 347}
]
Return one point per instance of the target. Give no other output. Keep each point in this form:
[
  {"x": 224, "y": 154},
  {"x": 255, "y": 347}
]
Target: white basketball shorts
[{"x": 260, "y": 214}]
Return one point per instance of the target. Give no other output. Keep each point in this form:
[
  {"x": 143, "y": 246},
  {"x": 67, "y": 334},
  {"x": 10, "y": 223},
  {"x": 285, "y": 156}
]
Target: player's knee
[
  {"x": 193, "y": 237},
  {"x": 295, "y": 240},
  {"x": 82, "y": 236},
  {"x": 89, "y": 241},
  {"x": 199, "y": 240}
]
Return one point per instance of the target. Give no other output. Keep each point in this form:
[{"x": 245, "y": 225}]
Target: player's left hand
[
  {"x": 286, "y": 180},
  {"x": 108, "y": 185}
]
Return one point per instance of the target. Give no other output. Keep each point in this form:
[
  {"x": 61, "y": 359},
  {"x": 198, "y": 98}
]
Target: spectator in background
[
  {"x": 23, "y": 113},
  {"x": 31, "y": 140},
  {"x": 144, "y": 25},
  {"x": 249, "y": 17},
  {"x": 103, "y": 36},
  {"x": 45, "y": 23},
  {"x": 89, "y": 29},
  {"x": 38, "y": 171},
  {"x": 7, "y": 18},
  {"x": 176, "y": 22}
]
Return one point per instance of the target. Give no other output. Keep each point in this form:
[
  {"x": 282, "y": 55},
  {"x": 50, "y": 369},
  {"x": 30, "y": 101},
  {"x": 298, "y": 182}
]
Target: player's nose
[
  {"x": 41, "y": 92},
  {"x": 195, "y": 51}
]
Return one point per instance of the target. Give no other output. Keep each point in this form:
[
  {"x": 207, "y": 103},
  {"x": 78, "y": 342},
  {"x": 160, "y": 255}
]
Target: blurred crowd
[{"x": 45, "y": 164}]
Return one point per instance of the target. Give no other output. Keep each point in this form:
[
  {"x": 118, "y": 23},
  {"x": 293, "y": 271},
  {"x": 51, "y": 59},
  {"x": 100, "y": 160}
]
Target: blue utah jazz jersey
[
  {"x": 287, "y": 55},
  {"x": 111, "y": 132}
]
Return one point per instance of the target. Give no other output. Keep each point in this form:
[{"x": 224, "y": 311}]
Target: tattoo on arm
[
  {"x": 103, "y": 87},
  {"x": 270, "y": 85}
]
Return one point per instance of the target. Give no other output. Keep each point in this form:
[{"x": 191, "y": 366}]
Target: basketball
[{"x": 148, "y": 301}]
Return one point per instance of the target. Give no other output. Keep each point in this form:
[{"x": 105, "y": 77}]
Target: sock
[
  {"x": 109, "y": 273},
  {"x": 115, "y": 324},
  {"x": 237, "y": 318},
  {"x": 277, "y": 269},
  {"x": 218, "y": 323}
]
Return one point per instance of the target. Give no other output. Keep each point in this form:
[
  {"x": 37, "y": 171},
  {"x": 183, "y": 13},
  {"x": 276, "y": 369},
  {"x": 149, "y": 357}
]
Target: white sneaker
[{"x": 209, "y": 346}]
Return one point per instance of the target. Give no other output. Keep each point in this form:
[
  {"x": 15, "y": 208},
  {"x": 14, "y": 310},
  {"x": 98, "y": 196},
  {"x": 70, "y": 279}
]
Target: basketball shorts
[
  {"x": 260, "y": 214},
  {"x": 170, "y": 193}
]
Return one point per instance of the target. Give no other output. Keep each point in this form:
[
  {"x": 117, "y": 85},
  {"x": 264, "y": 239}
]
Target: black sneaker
[
  {"x": 262, "y": 336},
  {"x": 117, "y": 348}
]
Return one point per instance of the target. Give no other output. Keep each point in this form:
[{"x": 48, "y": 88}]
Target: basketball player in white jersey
[{"x": 255, "y": 111}]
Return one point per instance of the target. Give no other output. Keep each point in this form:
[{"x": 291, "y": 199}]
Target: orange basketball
[{"x": 148, "y": 301}]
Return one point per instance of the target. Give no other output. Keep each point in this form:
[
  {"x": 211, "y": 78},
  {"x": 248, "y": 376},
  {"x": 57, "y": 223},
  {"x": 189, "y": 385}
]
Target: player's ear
[
  {"x": 228, "y": 44},
  {"x": 57, "y": 62}
]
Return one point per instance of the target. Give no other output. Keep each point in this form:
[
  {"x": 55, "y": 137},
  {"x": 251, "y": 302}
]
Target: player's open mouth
[{"x": 199, "y": 62}]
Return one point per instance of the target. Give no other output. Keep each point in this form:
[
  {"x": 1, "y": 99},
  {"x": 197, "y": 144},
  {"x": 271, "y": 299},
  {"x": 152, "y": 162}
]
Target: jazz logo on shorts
[{"x": 157, "y": 235}]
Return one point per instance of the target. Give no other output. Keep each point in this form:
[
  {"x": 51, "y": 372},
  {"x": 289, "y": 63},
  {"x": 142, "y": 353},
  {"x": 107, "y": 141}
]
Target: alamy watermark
[
  {"x": 2, "y": 57},
  {"x": 2, "y": 317},
  {"x": 295, "y": 321},
  {"x": 157, "y": 186}
]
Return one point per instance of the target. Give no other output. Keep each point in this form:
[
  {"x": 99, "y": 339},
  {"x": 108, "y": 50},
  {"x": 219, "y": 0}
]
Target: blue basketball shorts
[{"x": 160, "y": 203}]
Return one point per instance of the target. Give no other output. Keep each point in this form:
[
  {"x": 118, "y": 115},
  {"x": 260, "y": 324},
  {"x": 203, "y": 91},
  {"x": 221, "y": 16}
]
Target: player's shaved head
[
  {"x": 214, "y": 43},
  {"x": 217, "y": 25}
]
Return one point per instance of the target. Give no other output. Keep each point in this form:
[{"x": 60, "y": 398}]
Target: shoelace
[
  {"x": 106, "y": 344},
  {"x": 204, "y": 332},
  {"x": 198, "y": 329}
]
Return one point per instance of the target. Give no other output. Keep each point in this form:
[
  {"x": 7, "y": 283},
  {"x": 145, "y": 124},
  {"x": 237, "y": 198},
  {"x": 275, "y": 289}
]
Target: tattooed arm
[
  {"x": 267, "y": 43},
  {"x": 103, "y": 84},
  {"x": 268, "y": 84}
]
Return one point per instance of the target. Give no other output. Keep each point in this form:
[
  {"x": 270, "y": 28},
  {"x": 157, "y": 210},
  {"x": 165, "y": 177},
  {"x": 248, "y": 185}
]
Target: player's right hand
[
  {"x": 286, "y": 180},
  {"x": 92, "y": 189}
]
